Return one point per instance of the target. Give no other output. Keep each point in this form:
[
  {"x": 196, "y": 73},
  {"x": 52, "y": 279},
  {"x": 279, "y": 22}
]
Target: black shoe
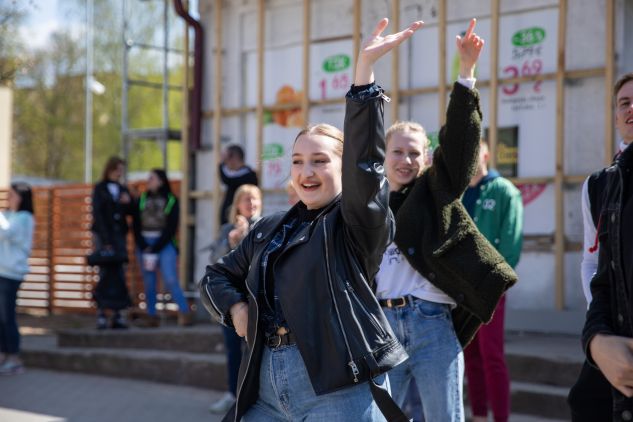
[
  {"x": 118, "y": 323},
  {"x": 102, "y": 322}
]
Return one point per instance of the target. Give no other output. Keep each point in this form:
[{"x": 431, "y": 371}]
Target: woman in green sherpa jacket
[{"x": 440, "y": 279}]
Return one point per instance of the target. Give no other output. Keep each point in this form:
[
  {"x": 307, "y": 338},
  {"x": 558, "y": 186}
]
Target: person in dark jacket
[
  {"x": 608, "y": 331},
  {"x": 233, "y": 174},
  {"x": 155, "y": 226},
  {"x": 299, "y": 286},
  {"x": 111, "y": 203},
  {"x": 440, "y": 279}
]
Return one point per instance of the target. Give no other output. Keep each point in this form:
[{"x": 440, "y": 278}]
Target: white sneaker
[
  {"x": 11, "y": 367},
  {"x": 223, "y": 404}
]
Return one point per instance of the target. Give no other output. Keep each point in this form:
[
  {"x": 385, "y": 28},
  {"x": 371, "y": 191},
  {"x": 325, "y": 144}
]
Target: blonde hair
[
  {"x": 324, "y": 129},
  {"x": 408, "y": 127},
  {"x": 241, "y": 191}
]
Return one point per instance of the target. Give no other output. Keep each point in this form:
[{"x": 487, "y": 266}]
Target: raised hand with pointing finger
[{"x": 469, "y": 47}]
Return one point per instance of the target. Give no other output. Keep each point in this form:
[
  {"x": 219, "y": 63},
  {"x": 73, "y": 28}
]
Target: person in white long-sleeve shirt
[
  {"x": 16, "y": 239},
  {"x": 589, "y": 263}
]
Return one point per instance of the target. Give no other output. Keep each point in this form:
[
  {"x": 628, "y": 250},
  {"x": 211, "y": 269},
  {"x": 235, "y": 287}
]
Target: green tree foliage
[
  {"x": 50, "y": 101},
  {"x": 48, "y": 114},
  {"x": 12, "y": 15}
]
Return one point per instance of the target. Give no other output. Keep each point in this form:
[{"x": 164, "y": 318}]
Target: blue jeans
[
  {"x": 168, "y": 265},
  {"x": 286, "y": 394},
  {"x": 436, "y": 360},
  {"x": 9, "y": 334}
]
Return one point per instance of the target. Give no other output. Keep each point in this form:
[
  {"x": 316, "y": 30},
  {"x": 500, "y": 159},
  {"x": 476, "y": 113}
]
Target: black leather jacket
[
  {"x": 610, "y": 311},
  {"x": 324, "y": 275}
]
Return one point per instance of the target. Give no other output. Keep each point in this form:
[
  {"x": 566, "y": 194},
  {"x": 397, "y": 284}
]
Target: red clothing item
[{"x": 486, "y": 369}]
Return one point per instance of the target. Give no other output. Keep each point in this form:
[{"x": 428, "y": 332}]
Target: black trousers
[{"x": 590, "y": 398}]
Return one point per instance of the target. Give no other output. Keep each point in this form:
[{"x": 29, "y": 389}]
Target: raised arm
[
  {"x": 455, "y": 159},
  {"x": 365, "y": 200}
]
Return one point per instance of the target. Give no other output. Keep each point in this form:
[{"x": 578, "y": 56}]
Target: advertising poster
[{"x": 330, "y": 76}]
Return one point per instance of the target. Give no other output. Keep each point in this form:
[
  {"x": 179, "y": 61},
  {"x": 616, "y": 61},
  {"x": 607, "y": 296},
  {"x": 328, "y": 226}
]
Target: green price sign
[
  {"x": 528, "y": 36},
  {"x": 336, "y": 63}
]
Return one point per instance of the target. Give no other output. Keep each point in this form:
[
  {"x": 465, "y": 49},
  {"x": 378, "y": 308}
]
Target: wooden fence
[{"x": 59, "y": 279}]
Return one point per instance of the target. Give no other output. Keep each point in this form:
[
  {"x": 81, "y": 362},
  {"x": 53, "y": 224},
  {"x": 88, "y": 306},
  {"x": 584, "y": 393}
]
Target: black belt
[
  {"x": 280, "y": 340},
  {"x": 398, "y": 302}
]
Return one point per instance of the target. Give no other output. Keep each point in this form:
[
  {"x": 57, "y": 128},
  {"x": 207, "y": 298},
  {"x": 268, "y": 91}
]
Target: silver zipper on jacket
[
  {"x": 351, "y": 362},
  {"x": 215, "y": 306},
  {"x": 250, "y": 355},
  {"x": 361, "y": 305}
]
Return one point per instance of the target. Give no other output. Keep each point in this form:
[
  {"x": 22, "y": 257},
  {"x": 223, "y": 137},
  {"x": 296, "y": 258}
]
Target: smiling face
[
  {"x": 405, "y": 157},
  {"x": 316, "y": 169},
  {"x": 624, "y": 112},
  {"x": 249, "y": 205}
]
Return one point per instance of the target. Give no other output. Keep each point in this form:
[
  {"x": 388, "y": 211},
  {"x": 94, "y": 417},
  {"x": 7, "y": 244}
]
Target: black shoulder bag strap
[{"x": 390, "y": 410}]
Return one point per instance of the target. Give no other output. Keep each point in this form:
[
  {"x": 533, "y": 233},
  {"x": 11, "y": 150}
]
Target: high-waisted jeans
[
  {"x": 436, "y": 360},
  {"x": 286, "y": 394}
]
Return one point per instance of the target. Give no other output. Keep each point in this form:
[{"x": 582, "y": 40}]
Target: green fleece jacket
[
  {"x": 498, "y": 213},
  {"x": 435, "y": 233}
]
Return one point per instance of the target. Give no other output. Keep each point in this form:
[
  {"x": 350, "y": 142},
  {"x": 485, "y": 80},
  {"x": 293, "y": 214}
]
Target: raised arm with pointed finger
[
  {"x": 455, "y": 160},
  {"x": 469, "y": 47}
]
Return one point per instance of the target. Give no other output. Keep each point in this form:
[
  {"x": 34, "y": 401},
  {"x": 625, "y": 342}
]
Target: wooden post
[
  {"x": 50, "y": 250},
  {"x": 395, "y": 63},
  {"x": 442, "y": 61},
  {"x": 261, "y": 34},
  {"x": 357, "y": 34},
  {"x": 217, "y": 117},
  {"x": 185, "y": 182},
  {"x": 494, "y": 83},
  {"x": 305, "y": 99},
  {"x": 609, "y": 80},
  {"x": 559, "y": 178}
]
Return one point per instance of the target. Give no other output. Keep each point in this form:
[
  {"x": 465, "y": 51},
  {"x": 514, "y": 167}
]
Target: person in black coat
[
  {"x": 233, "y": 174},
  {"x": 299, "y": 286},
  {"x": 607, "y": 336},
  {"x": 111, "y": 203}
]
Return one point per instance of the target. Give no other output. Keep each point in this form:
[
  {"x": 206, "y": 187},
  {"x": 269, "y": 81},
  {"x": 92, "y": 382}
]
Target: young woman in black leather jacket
[{"x": 299, "y": 286}]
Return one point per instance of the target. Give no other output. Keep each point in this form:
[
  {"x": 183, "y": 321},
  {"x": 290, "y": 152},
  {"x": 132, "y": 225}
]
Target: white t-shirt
[
  {"x": 115, "y": 190},
  {"x": 397, "y": 278},
  {"x": 589, "y": 263}
]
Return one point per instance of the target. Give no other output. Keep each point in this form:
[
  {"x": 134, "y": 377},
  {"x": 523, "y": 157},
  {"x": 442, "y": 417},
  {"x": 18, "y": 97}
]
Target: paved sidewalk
[{"x": 49, "y": 396}]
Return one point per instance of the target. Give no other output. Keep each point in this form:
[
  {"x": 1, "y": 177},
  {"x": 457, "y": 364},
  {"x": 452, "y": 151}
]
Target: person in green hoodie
[{"x": 496, "y": 207}]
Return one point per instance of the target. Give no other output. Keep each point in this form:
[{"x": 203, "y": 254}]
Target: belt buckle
[
  {"x": 271, "y": 344},
  {"x": 392, "y": 304}
]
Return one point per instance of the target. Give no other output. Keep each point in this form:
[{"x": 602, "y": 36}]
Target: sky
[
  {"x": 42, "y": 20},
  {"x": 45, "y": 16}
]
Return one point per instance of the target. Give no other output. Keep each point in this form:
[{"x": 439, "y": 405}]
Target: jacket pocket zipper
[
  {"x": 351, "y": 362},
  {"x": 362, "y": 307}
]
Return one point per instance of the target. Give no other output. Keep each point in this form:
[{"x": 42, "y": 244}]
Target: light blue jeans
[
  {"x": 436, "y": 360},
  {"x": 286, "y": 394},
  {"x": 168, "y": 266}
]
